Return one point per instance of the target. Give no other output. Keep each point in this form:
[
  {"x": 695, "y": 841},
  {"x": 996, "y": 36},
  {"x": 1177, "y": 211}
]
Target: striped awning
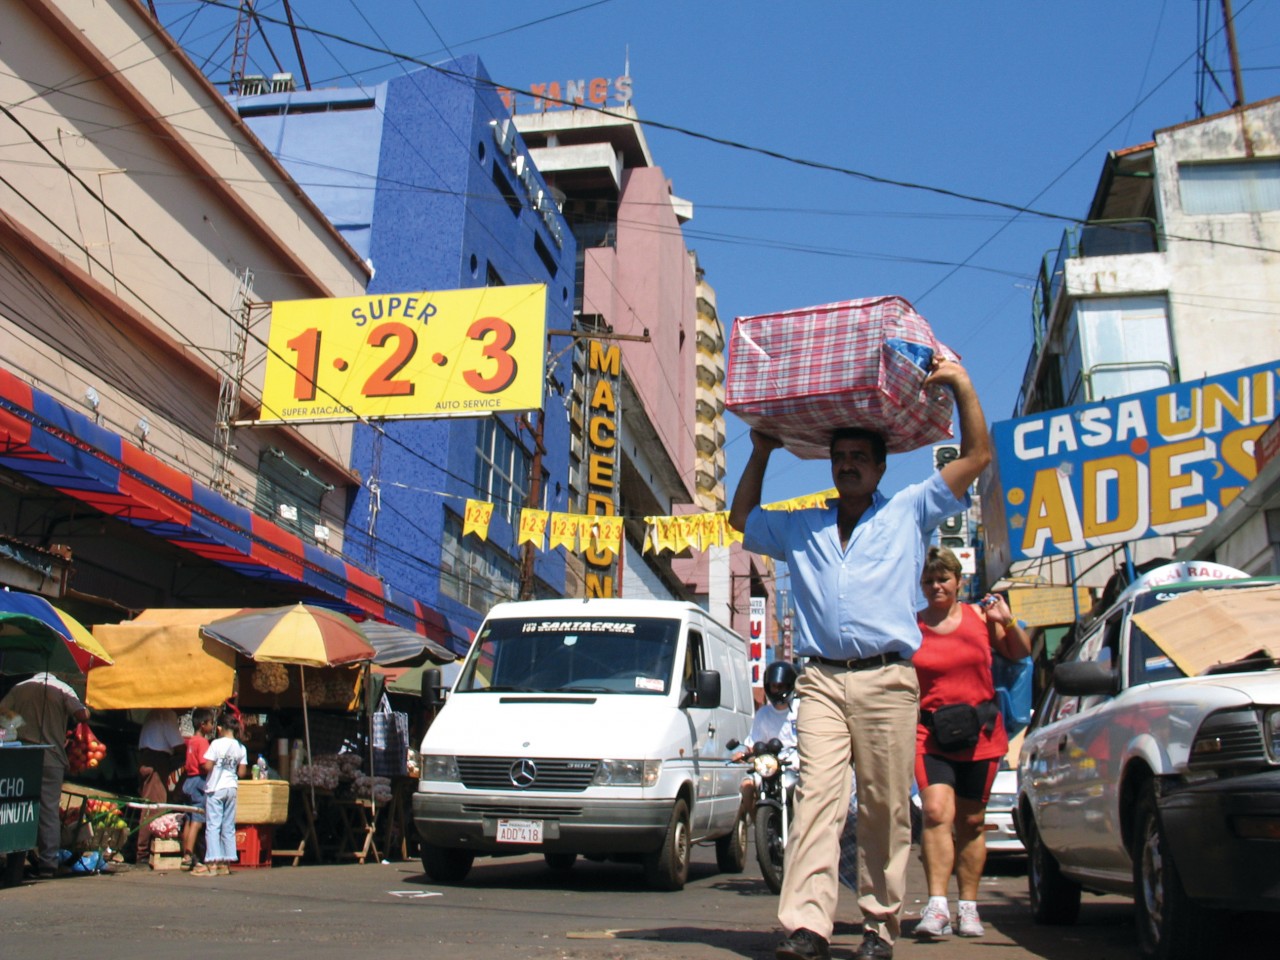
[{"x": 52, "y": 444}]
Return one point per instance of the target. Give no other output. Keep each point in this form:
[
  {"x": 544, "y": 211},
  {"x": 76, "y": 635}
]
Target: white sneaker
[
  {"x": 934, "y": 922},
  {"x": 969, "y": 925}
]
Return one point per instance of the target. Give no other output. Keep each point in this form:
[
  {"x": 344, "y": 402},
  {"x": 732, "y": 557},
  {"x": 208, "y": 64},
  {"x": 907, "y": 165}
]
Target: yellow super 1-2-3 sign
[{"x": 440, "y": 353}]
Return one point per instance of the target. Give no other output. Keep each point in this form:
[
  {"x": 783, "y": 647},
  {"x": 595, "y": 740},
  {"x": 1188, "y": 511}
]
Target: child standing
[
  {"x": 193, "y": 784},
  {"x": 224, "y": 763}
]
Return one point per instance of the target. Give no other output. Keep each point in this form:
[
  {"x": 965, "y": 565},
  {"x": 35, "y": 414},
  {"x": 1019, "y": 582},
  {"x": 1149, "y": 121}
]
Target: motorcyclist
[{"x": 776, "y": 718}]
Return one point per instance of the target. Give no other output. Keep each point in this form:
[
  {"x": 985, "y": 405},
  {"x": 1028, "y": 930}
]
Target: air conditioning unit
[
  {"x": 287, "y": 511},
  {"x": 282, "y": 83},
  {"x": 321, "y": 533},
  {"x": 252, "y": 85}
]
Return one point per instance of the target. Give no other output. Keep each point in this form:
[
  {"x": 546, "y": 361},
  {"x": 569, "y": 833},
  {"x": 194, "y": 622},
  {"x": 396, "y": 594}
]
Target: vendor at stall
[
  {"x": 46, "y": 706},
  {"x": 161, "y": 752}
]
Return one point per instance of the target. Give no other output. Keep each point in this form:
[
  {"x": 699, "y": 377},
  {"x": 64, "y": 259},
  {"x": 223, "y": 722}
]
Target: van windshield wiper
[
  {"x": 504, "y": 688},
  {"x": 583, "y": 689}
]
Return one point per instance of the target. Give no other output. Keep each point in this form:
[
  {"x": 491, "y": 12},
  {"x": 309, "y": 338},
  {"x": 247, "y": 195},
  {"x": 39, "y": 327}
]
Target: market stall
[{"x": 28, "y": 645}]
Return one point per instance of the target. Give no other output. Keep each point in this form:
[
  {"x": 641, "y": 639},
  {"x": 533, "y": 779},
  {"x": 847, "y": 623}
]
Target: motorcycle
[{"x": 774, "y": 780}]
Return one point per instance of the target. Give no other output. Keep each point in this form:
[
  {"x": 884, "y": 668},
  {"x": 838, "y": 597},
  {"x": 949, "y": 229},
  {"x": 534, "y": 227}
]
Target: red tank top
[{"x": 955, "y": 667}]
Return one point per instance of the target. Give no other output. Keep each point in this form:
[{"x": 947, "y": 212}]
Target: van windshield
[{"x": 632, "y": 655}]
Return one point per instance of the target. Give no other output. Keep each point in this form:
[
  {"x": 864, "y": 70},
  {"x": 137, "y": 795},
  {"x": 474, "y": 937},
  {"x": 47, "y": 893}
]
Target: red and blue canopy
[{"x": 66, "y": 450}]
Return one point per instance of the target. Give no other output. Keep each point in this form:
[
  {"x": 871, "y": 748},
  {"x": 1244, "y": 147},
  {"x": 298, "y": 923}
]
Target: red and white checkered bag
[{"x": 800, "y": 374}]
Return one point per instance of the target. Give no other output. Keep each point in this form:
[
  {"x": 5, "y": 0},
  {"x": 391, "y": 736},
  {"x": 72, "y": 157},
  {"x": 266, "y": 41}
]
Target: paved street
[{"x": 511, "y": 909}]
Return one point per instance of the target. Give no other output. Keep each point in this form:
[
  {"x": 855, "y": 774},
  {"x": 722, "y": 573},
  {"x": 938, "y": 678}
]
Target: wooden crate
[
  {"x": 165, "y": 854},
  {"x": 262, "y": 801}
]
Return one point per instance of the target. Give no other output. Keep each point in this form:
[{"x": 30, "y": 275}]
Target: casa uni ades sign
[{"x": 1149, "y": 464}]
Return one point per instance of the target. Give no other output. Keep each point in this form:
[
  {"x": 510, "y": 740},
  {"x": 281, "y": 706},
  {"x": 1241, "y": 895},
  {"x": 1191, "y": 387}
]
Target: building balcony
[
  {"x": 1103, "y": 258},
  {"x": 710, "y": 335},
  {"x": 708, "y": 437},
  {"x": 708, "y": 408},
  {"x": 709, "y": 372}
]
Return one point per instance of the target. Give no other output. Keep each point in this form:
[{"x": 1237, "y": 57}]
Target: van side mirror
[
  {"x": 431, "y": 687},
  {"x": 1086, "y": 678},
  {"x": 706, "y": 690}
]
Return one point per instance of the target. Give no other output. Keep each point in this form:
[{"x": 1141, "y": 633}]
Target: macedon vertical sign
[
  {"x": 604, "y": 371},
  {"x": 757, "y": 641}
]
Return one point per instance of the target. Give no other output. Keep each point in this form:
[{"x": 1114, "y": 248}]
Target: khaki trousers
[{"x": 867, "y": 717}]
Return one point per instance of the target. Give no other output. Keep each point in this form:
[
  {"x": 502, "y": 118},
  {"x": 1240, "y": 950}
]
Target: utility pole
[{"x": 1229, "y": 22}]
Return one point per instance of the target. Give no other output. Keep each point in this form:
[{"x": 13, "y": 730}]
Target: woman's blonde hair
[{"x": 940, "y": 560}]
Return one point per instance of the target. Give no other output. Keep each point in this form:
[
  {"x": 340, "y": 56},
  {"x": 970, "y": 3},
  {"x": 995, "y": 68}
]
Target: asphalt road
[{"x": 511, "y": 909}]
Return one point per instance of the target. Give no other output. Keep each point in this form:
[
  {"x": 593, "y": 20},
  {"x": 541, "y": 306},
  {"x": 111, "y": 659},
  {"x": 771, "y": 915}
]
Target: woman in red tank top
[{"x": 953, "y": 666}]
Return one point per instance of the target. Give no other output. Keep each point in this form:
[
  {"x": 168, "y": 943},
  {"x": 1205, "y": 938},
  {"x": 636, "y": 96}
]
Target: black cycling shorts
[{"x": 971, "y": 779}]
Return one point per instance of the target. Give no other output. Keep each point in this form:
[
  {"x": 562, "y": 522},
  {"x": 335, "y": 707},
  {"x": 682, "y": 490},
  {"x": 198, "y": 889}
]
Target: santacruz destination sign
[{"x": 1149, "y": 464}]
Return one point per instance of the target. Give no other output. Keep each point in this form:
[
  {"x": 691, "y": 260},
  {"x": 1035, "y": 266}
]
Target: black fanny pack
[{"x": 957, "y": 726}]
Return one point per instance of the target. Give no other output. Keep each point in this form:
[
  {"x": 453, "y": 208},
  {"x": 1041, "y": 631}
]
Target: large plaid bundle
[{"x": 800, "y": 374}]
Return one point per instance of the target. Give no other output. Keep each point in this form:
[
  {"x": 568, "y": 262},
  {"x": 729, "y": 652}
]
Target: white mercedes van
[{"x": 589, "y": 727}]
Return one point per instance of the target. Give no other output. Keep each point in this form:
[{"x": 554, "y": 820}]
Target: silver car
[{"x": 1139, "y": 780}]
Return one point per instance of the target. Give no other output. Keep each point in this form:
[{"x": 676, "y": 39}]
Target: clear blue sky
[{"x": 1011, "y": 101}]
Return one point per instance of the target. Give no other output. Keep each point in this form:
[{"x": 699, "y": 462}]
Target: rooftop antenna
[
  {"x": 1229, "y": 24},
  {"x": 240, "y": 53}
]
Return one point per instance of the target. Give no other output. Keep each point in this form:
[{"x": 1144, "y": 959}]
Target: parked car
[
  {"x": 1137, "y": 779},
  {"x": 1002, "y": 835}
]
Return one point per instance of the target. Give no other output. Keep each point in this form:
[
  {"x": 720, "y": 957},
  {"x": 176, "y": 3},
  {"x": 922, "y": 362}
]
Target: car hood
[
  {"x": 634, "y": 727},
  {"x": 1261, "y": 687}
]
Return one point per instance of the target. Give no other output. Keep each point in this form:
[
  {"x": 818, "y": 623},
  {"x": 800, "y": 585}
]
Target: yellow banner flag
[
  {"x": 533, "y": 527},
  {"x": 476, "y": 518},
  {"x": 586, "y": 530},
  {"x": 662, "y": 536},
  {"x": 731, "y": 535},
  {"x": 712, "y": 525},
  {"x": 682, "y": 530},
  {"x": 610, "y": 536},
  {"x": 803, "y": 502},
  {"x": 564, "y": 531}
]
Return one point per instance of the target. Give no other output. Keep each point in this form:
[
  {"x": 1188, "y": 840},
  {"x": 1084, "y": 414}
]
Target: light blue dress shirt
[{"x": 860, "y": 601}]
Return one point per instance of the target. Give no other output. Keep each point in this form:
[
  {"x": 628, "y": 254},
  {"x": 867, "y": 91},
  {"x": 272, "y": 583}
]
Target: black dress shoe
[
  {"x": 803, "y": 945},
  {"x": 873, "y": 948}
]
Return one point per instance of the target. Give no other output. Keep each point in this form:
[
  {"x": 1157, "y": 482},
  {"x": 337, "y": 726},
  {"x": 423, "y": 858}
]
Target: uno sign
[
  {"x": 551, "y": 95},
  {"x": 1149, "y": 464}
]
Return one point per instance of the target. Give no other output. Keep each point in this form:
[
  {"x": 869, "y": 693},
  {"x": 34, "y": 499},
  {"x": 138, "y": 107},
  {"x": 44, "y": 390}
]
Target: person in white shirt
[
  {"x": 225, "y": 762},
  {"x": 776, "y": 718},
  {"x": 161, "y": 752}
]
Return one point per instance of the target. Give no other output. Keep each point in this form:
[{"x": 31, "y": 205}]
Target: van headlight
[
  {"x": 627, "y": 773},
  {"x": 439, "y": 766},
  {"x": 1272, "y": 728}
]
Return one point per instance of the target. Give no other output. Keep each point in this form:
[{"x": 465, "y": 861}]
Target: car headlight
[
  {"x": 1272, "y": 727},
  {"x": 766, "y": 765},
  {"x": 439, "y": 766},
  {"x": 1229, "y": 738},
  {"x": 627, "y": 773},
  {"x": 1000, "y": 801}
]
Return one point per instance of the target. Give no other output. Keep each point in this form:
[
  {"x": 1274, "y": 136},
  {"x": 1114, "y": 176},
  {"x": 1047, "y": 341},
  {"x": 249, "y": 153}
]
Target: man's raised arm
[
  {"x": 750, "y": 485},
  {"x": 975, "y": 444}
]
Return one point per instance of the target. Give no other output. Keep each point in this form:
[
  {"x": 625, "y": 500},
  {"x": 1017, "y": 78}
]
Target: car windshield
[
  {"x": 1148, "y": 663},
  {"x": 632, "y": 655}
]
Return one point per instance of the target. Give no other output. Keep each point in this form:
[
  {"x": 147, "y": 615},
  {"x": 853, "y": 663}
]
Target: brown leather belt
[{"x": 862, "y": 663}]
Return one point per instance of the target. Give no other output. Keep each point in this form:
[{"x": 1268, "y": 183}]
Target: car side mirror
[
  {"x": 706, "y": 690},
  {"x": 1086, "y": 678},
  {"x": 432, "y": 692}
]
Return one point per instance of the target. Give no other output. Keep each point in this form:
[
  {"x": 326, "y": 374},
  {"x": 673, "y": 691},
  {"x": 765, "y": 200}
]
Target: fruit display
[
  {"x": 97, "y": 824},
  {"x": 270, "y": 678},
  {"x": 84, "y": 750}
]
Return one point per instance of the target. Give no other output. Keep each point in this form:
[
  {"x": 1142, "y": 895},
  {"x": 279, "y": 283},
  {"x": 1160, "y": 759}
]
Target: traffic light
[
  {"x": 944, "y": 453},
  {"x": 953, "y": 532}
]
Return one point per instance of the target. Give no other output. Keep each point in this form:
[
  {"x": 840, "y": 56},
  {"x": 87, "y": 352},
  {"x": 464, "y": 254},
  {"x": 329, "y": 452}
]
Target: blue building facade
[{"x": 426, "y": 177}]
